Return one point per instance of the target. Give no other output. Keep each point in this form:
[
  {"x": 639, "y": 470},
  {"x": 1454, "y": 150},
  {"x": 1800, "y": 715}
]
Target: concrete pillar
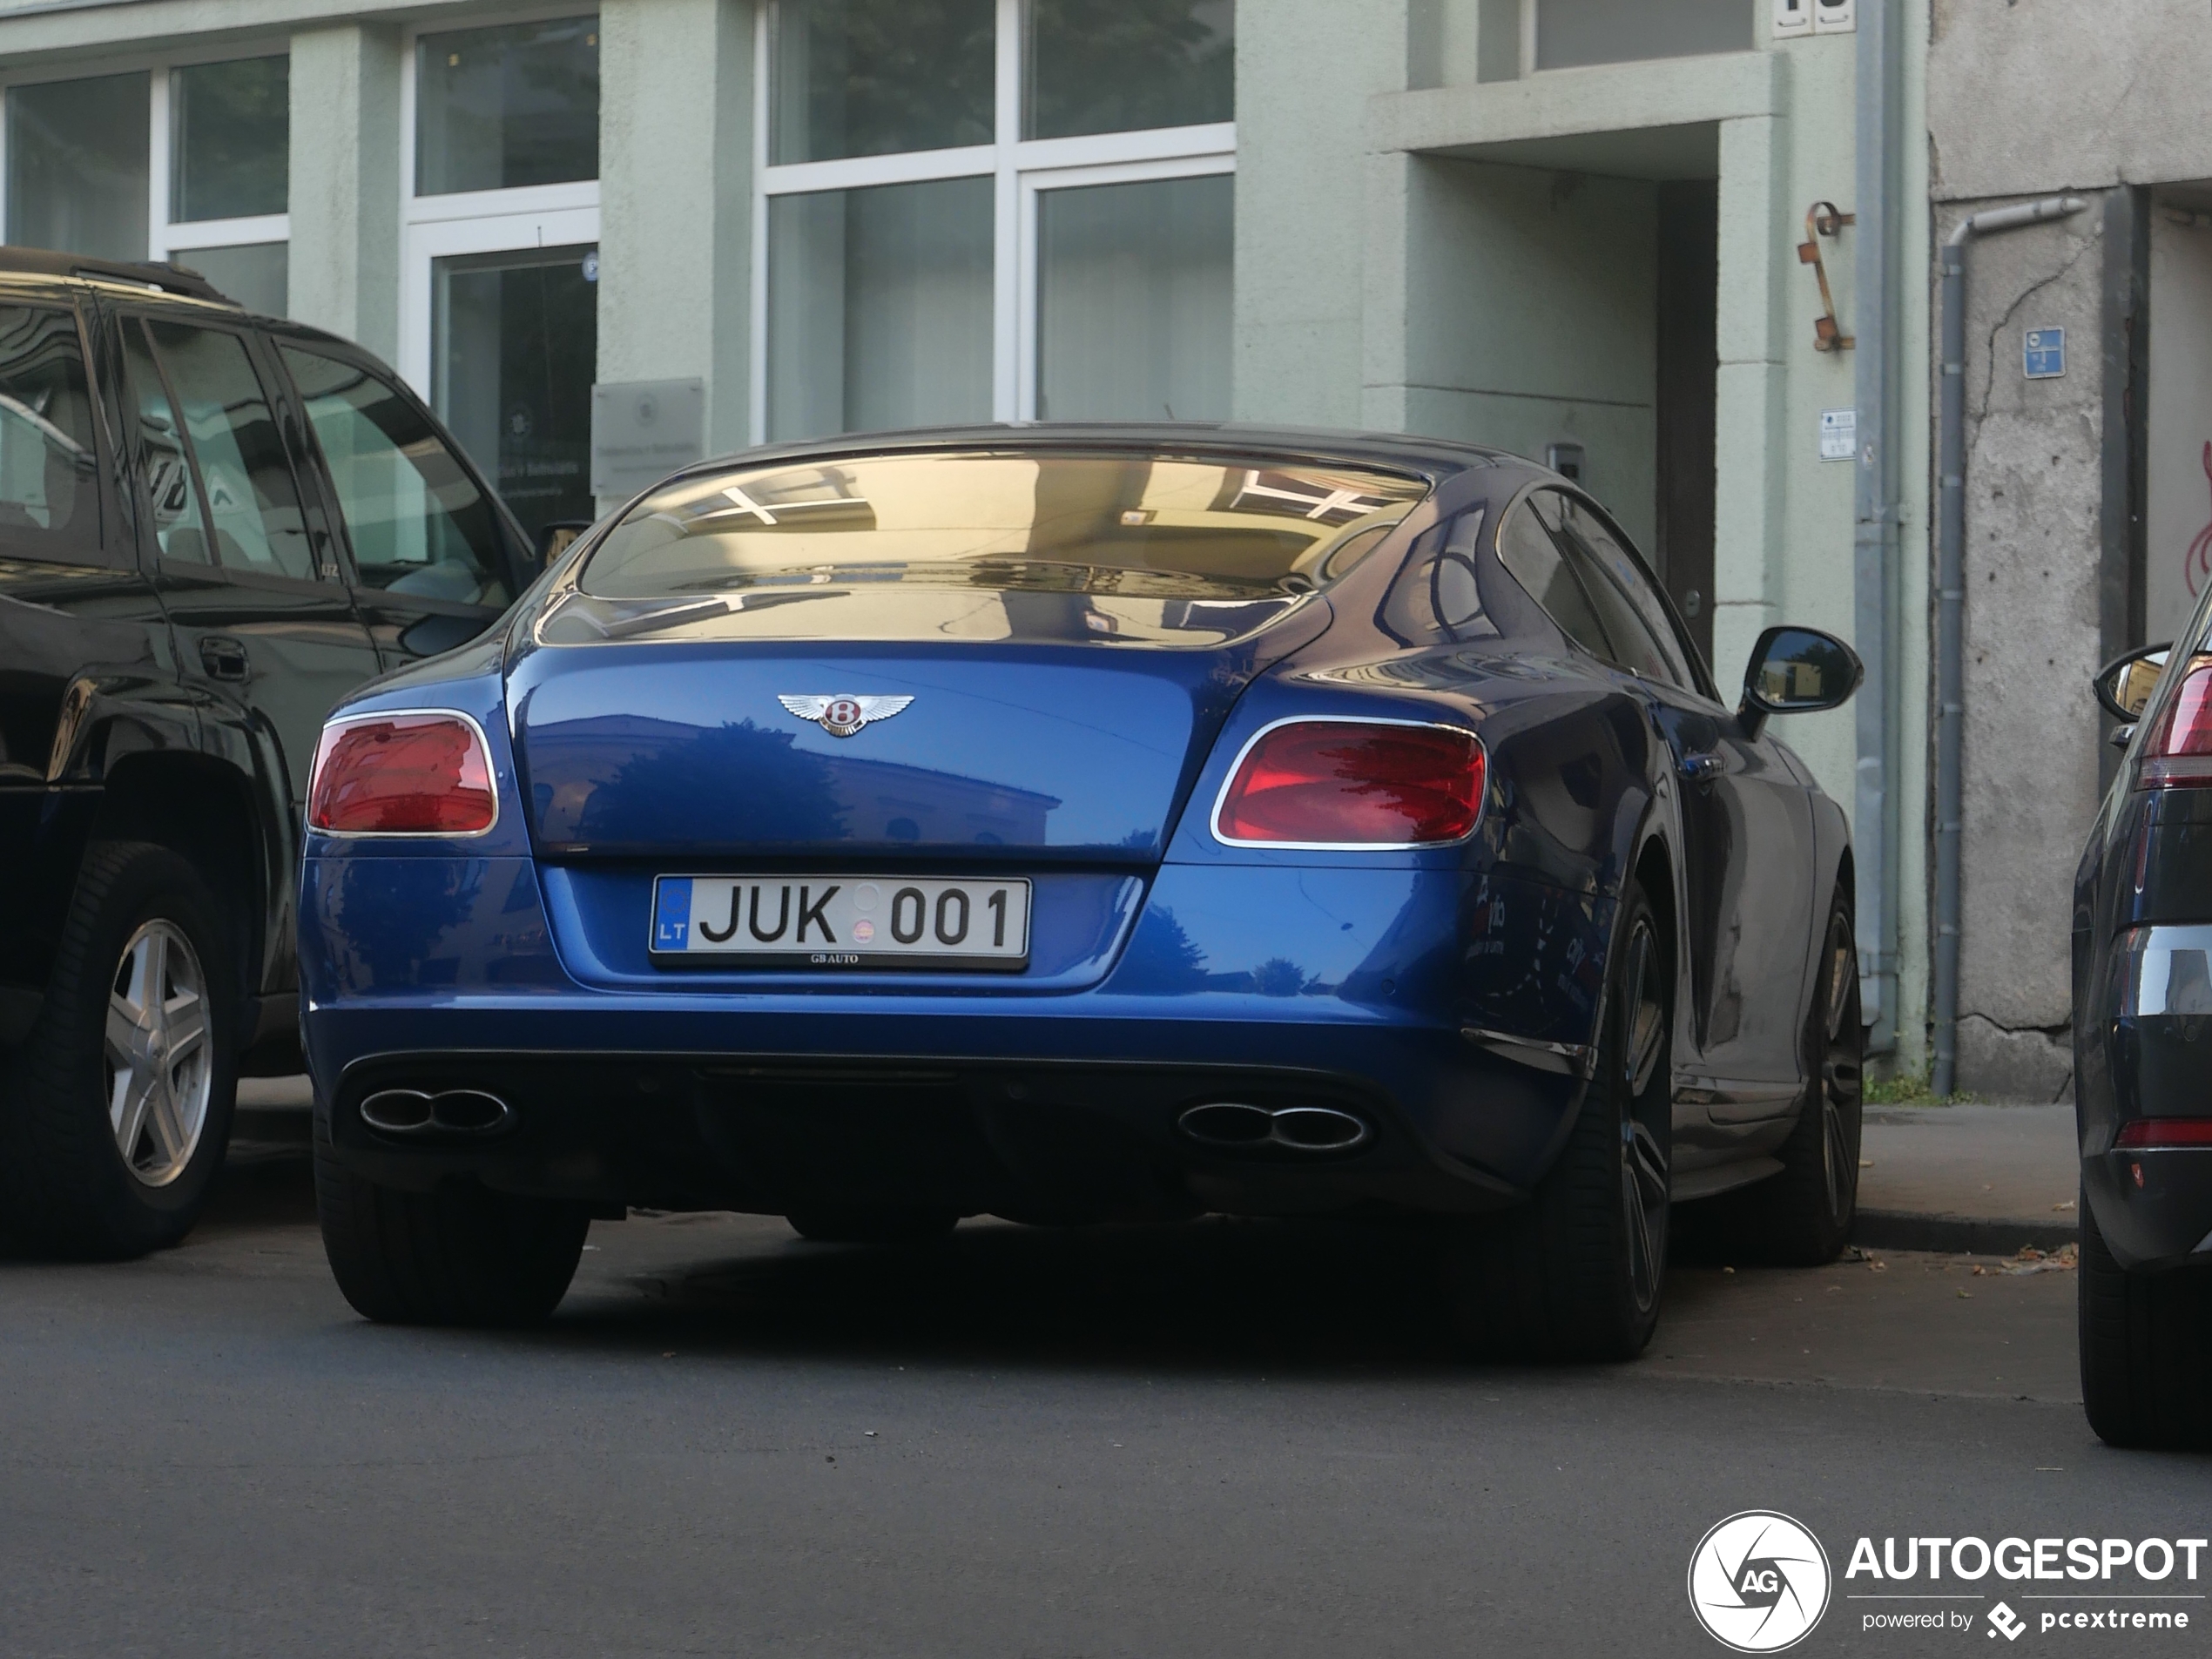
[
  {"x": 676, "y": 80},
  {"x": 1750, "y": 443},
  {"x": 344, "y": 200},
  {"x": 1303, "y": 71}
]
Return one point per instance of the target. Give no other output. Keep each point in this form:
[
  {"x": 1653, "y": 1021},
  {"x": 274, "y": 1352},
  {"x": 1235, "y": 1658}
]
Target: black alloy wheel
[
  {"x": 1646, "y": 1116},
  {"x": 1803, "y": 1216},
  {"x": 1578, "y": 1273}
]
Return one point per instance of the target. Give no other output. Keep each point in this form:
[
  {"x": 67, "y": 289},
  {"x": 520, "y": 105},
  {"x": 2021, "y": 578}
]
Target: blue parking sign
[{"x": 2045, "y": 353}]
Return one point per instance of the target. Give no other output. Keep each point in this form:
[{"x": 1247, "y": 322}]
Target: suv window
[
  {"x": 418, "y": 524},
  {"x": 1532, "y": 557},
  {"x": 246, "y": 490},
  {"x": 49, "y": 503},
  {"x": 173, "y": 487}
]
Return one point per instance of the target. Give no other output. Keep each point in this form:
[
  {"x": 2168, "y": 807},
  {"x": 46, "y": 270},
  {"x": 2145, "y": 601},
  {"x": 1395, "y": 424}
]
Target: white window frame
[
  {"x": 1020, "y": 169},
  {"x": 472, "y": 221},
  {"x": 164, "y": 240}
]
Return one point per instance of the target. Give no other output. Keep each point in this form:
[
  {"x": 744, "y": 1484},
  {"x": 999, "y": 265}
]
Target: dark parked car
[
  {"x": 2142, "y": 1057},
  {"x": 213, "y": 527},
  {"x": 1069, "y": 824}
]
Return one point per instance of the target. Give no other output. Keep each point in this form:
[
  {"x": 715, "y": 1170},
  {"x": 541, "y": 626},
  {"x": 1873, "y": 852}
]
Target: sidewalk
[{"x": 1987, "y": 1179}]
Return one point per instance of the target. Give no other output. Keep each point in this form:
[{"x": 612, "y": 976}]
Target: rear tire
[
  {"x": 1804, "y": 1216},
  {"x": 872, "y": 1226},
  {"x": 1577, "y": 1273},
  {"x": 2146, "y": 1350},
  {"x": 462, "y": 1256},
  {"x": 118, "y": 1107}
]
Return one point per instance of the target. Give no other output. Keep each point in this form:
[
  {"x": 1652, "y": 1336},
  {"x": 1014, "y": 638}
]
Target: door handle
[
  {"x": 1703, "y": 768},
  {"x": 222, "y": 657}
]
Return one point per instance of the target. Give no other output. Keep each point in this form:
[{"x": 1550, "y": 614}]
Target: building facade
[{"x": 1568, "y": 227}]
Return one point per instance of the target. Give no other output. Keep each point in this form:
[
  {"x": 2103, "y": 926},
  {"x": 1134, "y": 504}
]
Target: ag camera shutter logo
[{"x": 1759, "y": 1581}]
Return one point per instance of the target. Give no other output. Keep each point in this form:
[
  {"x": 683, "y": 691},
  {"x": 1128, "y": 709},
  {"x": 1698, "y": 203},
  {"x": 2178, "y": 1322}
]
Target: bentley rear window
[{"x": 1161, "y": 545}]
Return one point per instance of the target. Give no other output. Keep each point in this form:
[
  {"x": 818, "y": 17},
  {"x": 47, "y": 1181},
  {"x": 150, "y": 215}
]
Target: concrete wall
[
  {"x": 1305, "y": 70},
  {"x": 2026, "y": 99},
  {"x": 676, "y": 86}
]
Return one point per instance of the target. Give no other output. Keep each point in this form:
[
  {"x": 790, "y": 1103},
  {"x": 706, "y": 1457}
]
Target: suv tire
[
  {"x": 118, "y": 1107},
  {"x": 2146, "y": 1350},
  {"x": 1577, "y": 1273},
  {"x": 461, "y": 1255}
]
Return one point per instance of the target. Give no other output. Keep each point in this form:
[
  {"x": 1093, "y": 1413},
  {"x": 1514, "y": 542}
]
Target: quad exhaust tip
[
  {"x": 466, "y": 1114},
  {"x": 1235, "y": 1126}
]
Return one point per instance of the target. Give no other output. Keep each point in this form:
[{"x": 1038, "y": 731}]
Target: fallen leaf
[
  {"x": 2060, "y": 1209},
  {"x": 1965, "y": 1294},
  {"x": 1874, "y": 1266}
]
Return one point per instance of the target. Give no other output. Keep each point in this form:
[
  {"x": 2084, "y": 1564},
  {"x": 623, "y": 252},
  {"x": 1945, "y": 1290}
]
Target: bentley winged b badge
[{"x": 841, "y": 716}]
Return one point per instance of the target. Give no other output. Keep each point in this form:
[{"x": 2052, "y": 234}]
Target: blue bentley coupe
[{"x": 1079, "y": 824}]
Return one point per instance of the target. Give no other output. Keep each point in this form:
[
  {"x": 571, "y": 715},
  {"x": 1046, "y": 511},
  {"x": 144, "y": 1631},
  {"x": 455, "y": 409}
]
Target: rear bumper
[
  {"x": 1032, "y": 1140},
  {"x": 1350, "y": 988}
]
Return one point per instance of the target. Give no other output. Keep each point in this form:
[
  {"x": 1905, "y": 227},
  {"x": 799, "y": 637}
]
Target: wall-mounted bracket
[{"x": 1823, "y": 219}]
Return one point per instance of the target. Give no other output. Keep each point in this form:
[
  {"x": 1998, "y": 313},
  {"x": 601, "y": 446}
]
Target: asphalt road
[{"x": 1222, "y": 1440}]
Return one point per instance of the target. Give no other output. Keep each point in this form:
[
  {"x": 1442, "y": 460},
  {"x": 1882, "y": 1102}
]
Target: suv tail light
[
  {"x": 2166, "y": 1131},
  {"x": 1354, "y": 784},
  {"x": 402, "y": 774},
  {"x": 2177, "y": 750}
]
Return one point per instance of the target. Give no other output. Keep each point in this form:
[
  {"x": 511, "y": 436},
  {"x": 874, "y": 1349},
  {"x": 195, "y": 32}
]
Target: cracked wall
[
  {"x": 2028, "y": 98},
  {"x": 2034, "y": 493}
]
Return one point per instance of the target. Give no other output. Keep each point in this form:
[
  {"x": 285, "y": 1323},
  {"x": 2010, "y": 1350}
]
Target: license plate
[{"x": 840, "y": 922}]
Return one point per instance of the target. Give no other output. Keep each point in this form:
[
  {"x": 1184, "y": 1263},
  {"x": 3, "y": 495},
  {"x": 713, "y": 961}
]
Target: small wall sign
[
  {"x": 1838, "y": 434},
  {"x": 2044, "y": 354}
]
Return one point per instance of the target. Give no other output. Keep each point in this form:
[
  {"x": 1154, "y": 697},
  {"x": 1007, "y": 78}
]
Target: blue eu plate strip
[{"x": 671, "y": 913}]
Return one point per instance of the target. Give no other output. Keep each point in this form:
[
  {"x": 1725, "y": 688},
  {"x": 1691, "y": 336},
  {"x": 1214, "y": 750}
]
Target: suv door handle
[
  {"x": 222, "y": 657},
  {"x": 1703, "y": 768}
]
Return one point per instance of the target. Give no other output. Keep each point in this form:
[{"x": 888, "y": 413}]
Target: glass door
[{"x": 514, "y": 346}]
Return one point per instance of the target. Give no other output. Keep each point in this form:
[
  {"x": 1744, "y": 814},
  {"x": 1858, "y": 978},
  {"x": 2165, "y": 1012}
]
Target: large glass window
[
  {"x": 882, "y": 298},
  {"x": 1060, "y": 250},
  {"x": 77, "y": 156},
  {"x": 50, "y": 506},
  {"x": 189, "y": 163},
  {"x": 1118, "y": 66},
  {"x": 496, "y": 109},
  {"x": 1133, "y": 301},
  {"x": 230, "y": 147},
  {"x": 1574, "y": 32},
  {"x": 869, "y": 78}
]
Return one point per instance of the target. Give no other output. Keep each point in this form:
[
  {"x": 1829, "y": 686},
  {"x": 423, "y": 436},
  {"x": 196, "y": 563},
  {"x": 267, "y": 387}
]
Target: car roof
[
  {"x": 1435, "y": 459},
  {"x": 43, "y": 272}
]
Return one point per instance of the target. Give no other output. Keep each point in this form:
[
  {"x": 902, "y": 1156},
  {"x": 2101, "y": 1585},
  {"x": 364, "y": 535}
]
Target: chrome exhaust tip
[
  {"x": 465, "y": 1114},
  {"x": 1235, "y": 1126}
]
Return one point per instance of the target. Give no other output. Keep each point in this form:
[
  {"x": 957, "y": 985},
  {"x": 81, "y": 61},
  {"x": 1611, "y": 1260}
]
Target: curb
[{"x": 1960, "y": 1235}]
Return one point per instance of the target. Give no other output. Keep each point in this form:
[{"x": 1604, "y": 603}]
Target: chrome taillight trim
[
  {"x": 1236, "y": 766},
  {"x": 491, "y": 771}
]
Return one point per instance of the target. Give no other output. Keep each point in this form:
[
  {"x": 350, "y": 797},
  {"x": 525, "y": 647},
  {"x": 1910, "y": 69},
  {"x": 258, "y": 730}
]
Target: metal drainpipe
[
  {"x": 1951, "y": 586},
  {"x": 1874, "y": 561}
]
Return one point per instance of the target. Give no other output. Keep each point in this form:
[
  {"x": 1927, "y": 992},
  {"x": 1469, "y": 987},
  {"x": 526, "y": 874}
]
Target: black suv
[{"x": 212, "y": 526}]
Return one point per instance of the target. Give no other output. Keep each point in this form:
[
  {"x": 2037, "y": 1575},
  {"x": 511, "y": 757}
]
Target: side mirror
[
  {"x": 2125, "y": 683},
  {"x": 553, "y": 539},
  {"x": 1797, "y": 671}
]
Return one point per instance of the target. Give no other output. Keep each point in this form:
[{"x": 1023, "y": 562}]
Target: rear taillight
[
  {"x": 1353, "y": 783},
  {"x": 2177, "y": 750},
  {"x": 402, "y": 774},
  {"x": 2167, "y": 1131}
]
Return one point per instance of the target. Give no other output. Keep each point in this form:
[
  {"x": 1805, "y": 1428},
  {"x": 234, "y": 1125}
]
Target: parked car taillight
[
  {"x": 2166, "y": 1131},
  {"x": 1354, "y": 783},
  {"x": 402, "y": 774},
  {"x": 2177, "y": 750}
]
